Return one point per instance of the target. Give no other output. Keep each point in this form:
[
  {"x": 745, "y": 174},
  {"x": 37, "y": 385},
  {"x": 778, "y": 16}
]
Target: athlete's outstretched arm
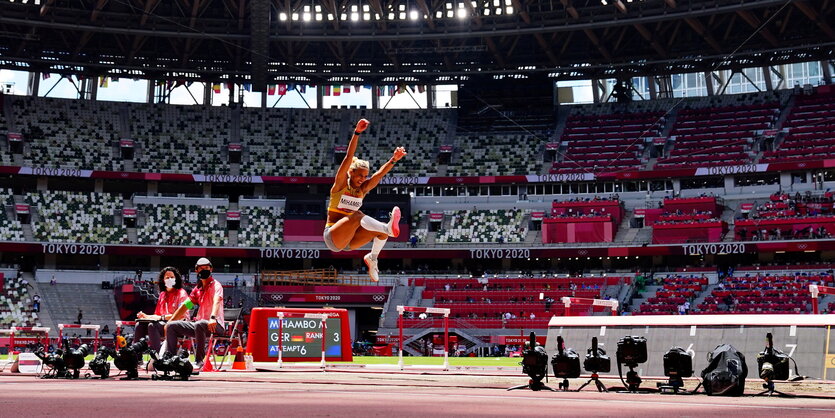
[
  {"x": 341, "y": 178},
  {"x": 374, "y": 180}
]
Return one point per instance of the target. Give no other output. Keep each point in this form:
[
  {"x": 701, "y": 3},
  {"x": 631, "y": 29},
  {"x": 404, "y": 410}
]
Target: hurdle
[
  {"x": 416, "y": 309},
  {"x": 567, "y": 301},
  {"x": 815, "y": 290},
  {"x": 96, "y": 340},
  {"x": 322, "y": 319},
  {"x": 32, "y": 330}
]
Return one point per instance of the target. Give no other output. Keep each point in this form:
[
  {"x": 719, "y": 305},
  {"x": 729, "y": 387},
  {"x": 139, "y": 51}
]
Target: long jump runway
[{"x": 307, "y": 394}]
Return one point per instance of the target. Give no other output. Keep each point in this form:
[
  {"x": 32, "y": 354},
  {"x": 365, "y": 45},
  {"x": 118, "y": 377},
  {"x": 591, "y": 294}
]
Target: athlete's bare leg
[
  {"x": 364, "y": 236},
  {"x": 343, "y": 231}
]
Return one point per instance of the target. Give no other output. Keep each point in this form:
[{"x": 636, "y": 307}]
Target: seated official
[
  {"x": 208, "y": 294},
  {"x": 171, "y": 296}
]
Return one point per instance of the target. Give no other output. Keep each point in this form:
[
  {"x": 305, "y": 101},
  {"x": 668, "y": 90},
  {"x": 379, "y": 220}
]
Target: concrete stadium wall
[{"x": 806, "y": 343}]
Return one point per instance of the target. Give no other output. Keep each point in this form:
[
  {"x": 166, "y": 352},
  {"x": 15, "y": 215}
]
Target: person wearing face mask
[
  {"x": 171, "y": 296},
  {"x": 208, "y": 295}
]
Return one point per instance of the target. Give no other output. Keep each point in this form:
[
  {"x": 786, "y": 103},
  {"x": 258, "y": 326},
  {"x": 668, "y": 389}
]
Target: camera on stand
[
  {"x": 55, "y": 362},
  {"x": 127, "y": 358},
  {"x": 631, "y": 351},
  {"x": 74, "y": 358},
  {"x": 63, "y": 364},
  {"x": 566, "y": 363},
  {"x": 99, "y": 364},
  {"x": 169, "y": 363},
  {"x": 772, "y": 365},
  {"x": 678, "y": 364},
  {"x": 535, "y": 365},
  {"x": 596, "y": 361}
]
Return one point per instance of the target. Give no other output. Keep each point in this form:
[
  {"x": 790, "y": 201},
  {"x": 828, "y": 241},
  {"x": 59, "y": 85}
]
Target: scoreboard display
[
  {"x": 302, "y": 337},
  {"x": 299, "y": 338}
]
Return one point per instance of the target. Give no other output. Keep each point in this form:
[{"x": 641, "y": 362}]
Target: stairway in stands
[{"x": 63, "y": 301}]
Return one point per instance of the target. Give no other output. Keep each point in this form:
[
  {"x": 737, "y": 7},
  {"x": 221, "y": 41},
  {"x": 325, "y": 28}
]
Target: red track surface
[{"x": 347, "y": 395}]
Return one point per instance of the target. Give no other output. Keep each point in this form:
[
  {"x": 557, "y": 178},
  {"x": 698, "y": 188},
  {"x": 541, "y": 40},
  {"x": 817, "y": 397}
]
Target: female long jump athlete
[{"x": 347, "y": 227}]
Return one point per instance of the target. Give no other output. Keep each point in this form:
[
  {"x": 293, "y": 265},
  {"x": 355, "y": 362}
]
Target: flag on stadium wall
[
  {"x": 45, "y": 76},
  {"x": 291, "y": 87},
  {"x": 282, "y": 89},
  {"x": 326, "y": 90},
  {"x": 114, "y": 79},
  {"x": 103, "y": 82},
  {"x": 216, "y": 88},
  {"x": 301, "y": 88},
  {"x": 401, "y": 88},
  {"x": 392, "y": 90},
  {"x": 421, "y": 89},
  {"x": 413, "y": 88},
  {"x": 230, "y": 86},
  {"x": 247, "y": 87},
  {"x": 346, "y": 89},
  {"x": 271, "y": 89},
  {"x": 337, "y": 90}
]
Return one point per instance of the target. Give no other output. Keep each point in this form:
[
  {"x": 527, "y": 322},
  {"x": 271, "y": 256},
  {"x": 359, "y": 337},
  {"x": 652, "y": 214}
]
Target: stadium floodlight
[{"x": 413, "y": 15}]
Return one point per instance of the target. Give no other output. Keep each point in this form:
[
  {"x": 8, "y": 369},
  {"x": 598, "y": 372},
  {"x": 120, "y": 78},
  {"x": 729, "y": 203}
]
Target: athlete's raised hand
[
  {"x": 362, "y": 125},
  {"x": 399, "y": 153}
]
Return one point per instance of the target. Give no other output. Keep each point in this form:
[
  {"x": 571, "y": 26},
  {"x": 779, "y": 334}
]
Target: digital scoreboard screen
[{"x": 300, "y": 338}]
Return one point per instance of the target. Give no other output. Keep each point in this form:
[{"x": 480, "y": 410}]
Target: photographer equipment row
[{"x": 725, "y": 374}]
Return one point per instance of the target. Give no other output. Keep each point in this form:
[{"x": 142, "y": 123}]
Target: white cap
[{"x": 203, "y": 261}]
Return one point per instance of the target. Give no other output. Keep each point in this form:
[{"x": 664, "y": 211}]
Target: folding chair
[{"x": 232, "y": 318}]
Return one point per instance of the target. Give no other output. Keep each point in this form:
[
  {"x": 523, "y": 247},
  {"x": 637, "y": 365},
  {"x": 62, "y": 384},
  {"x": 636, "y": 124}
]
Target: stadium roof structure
[{"x": 413, "y": 41}]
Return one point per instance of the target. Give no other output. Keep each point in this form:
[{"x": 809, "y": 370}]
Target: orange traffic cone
[
  {"x": 240, "y": 362},
  {"x": 207, "y": 362}
]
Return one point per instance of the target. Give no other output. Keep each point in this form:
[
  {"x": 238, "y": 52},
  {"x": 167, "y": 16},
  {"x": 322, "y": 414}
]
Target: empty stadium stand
[
  {"x": 764, "y": 292},
  {"x": 16, "y": 304},
  {"x": 810, "y": 130},
  {"x": 10, "y": 227},
  {"x": 261, "y": 227},
  {"x": 77, "y": 217},
  {"x": 507, "y": 302},
  {"x": 718, "y": 135},
  {"x": 596, "y": 143},
  {"x": 180, "y": 139},
  {"x": 69, "y": 133},
  {"x": 485, "y": 226},
  {"x": 181, "y": 225}
]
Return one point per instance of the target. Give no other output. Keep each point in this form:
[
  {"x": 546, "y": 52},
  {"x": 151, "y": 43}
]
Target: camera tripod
[
  {"x": 633, "y": 381},
  {"x": 673, "y": 385},
  {"x": 535, "y": 384},
  {"x": 770, "y": 391},
  {"x": 596, "y": 379}
]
